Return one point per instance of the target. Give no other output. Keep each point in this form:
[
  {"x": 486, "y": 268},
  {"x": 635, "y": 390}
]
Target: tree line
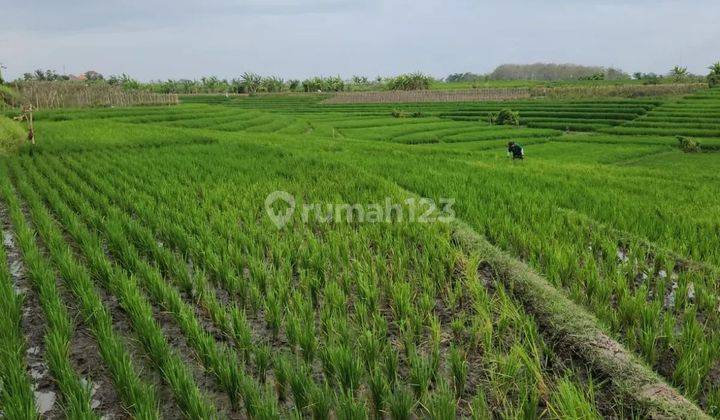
[
  {"x": 550, "y": 72},
  {"x": 251, "y": 83}
]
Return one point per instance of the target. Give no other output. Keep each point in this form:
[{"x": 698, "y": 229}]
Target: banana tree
[
  {"x": 715, "y": 68},
  {"x": 679, "y": 73},
  {"x": 251, "y": 82}
]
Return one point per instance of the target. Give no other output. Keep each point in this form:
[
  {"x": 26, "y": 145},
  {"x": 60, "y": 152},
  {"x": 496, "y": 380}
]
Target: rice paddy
[{"x": 141, "y": 276}]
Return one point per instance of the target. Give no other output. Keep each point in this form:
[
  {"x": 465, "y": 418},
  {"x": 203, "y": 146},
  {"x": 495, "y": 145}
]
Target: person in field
[{"x": 516, "y": 150}]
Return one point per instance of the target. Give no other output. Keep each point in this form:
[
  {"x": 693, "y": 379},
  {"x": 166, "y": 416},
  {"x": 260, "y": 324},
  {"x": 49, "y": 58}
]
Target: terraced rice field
[
  {"x": 697, "y": 116},
  {"x": 141, "y": 276}
]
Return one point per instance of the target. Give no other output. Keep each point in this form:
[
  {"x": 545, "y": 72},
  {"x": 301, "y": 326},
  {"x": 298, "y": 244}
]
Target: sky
[{"x": 161, "y": 39}]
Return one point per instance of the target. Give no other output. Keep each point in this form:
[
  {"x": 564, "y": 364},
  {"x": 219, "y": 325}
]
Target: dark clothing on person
[{"x": 516, "y": 150}]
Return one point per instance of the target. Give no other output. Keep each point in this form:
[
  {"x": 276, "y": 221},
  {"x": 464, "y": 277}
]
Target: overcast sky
[{"x": 159, "y": 39}]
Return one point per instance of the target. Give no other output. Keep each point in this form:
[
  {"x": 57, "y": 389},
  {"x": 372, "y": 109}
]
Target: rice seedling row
[
  {"x": 133, "y": 302},
  {"x": 59, "y": 332}
]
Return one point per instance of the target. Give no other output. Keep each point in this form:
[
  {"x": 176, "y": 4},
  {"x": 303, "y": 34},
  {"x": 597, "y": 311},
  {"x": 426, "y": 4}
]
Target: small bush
[
  {"x": 714, "y": 80},
  {"x": 397, "y": 113},
  {"x": 8, "y": 95},
  {"x": 688, "y": 145},
  {"x": 505, "y": 117},
  {"x": 12, "y": 135}
]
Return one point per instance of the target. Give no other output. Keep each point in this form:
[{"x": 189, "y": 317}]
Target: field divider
[
  {"x": 574, "y": 329},
  {"x": 220, "y": 360},
  {"x": 125, "y": 287},
  {"x": 60, "y": 329}
]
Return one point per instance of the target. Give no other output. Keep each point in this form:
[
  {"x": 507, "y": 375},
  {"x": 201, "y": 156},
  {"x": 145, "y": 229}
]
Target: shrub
[
  {"x": 398, "y": 113},
  {"x": 412, "y": 81},
  {"x": 505, "y": 117},
  {"x": 12, "y": 136},
  {"x": 713, "y": 80},
  {"x": 594, "y": 76},
  {"x": 688, "y": 145},
  {"x": 8, "y": 96}
]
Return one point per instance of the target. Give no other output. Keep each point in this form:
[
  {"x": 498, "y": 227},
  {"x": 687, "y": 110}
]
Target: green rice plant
[
  {"x": 137, "y": 395},
  {"x": 322, "y": 401},
  {"x": 350, "y": 408},
  {"x": 569, "y": 402},
  {"x": 308, "y": 340},
  {"x": 186, "y": 392},
  {"x": 76, "y": 396},
  {"x": 479, "y": 407},
  {"x": 401, "y": 404},
  {"x": 251, "y": 398},
  {"x": 273, "y": 312},
  {"x": 301, "y": 385},
  {"x": 379, "y": 391},
  {"x": 225, "y": 370},
  {"x": 263, "y": 360},
  {"x": 421, "y": 373},
  {"x": 442, "y": 404},
  {"x": 344, "y": 276},
  {"x": 347, "y": 369},
  {"x": 459, "y": 370},
  {"x": 16, "y": 394},
  {"x": 267, "y": 407},
  {"x": 390, "y": 365},
  {"x": 370, "y": 349},
  {"x": 282, "y": 369}
]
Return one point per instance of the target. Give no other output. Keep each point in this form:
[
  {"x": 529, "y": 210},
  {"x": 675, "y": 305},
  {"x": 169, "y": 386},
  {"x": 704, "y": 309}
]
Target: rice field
[
  {"x": 696, "y": 115},
  {"x": 141, "y": 277}
]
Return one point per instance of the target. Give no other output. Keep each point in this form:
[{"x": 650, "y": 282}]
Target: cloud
[
  {"x": 163, "y": 39},
  {"x": 82, "y": 15}
]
